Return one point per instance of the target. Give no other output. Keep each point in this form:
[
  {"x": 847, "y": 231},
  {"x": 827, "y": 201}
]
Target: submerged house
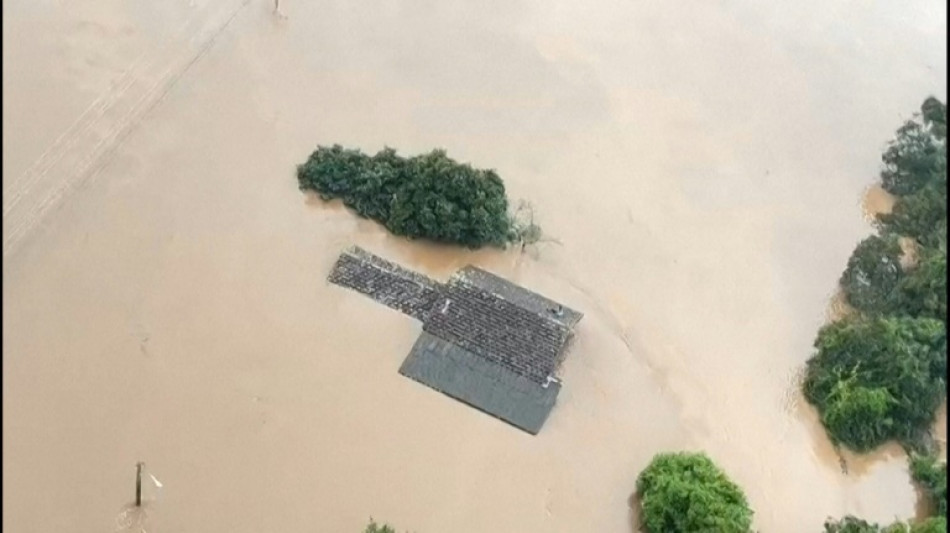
[{"x": 485, "y": 341}]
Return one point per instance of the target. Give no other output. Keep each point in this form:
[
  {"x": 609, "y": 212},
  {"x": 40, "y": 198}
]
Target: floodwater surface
[{"x": 701, "y": 166}]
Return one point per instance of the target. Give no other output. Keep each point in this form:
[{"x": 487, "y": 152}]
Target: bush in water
[{"x": 687, "y": 492}]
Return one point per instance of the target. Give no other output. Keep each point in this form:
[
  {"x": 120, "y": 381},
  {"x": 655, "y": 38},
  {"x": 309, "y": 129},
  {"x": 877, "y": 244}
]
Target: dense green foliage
[
  {"x": 921, "y": 215},
  {"x": 877, "y": 379},
  {"x": 923, "y": 290},
  {"x": 915, "y": 170},
  {"x": 931, "y": 475},
  {"x": 880, "y": 375},
  {"x": 870, "y": 282},
  {"x": 687, "y": 492},
  {"x": 851, "y": 524},
  {"x": 917, "y": 156},
  {"x": 427, "y": 196}
]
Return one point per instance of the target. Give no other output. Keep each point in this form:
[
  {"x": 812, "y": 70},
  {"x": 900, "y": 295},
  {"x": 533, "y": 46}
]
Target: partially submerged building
[{"x": 485, "y": 341}]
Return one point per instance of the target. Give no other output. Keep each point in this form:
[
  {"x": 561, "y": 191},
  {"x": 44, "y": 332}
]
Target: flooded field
[{"x": 703, "y": 167}]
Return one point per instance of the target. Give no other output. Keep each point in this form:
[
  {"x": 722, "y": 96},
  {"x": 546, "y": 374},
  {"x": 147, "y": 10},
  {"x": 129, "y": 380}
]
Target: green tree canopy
[
  {"x": 934, "y": 114},
  {"x": 686, "y": 492},
  {"x": 923, "y": 290},
  {"x": 915, "y": 170},
  {"x": 874, "y": 272},
  {"x": 913, "y": 159},
  {"x": 877, "y": 379},
  {"x": 921, "y": 216},
  {"x": 428, "y": 196},
  {"x": 931, "y": 475}
]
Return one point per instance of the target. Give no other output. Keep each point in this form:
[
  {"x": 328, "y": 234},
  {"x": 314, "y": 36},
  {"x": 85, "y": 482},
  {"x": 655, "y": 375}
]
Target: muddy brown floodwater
[{"x": 164, "y": 292}]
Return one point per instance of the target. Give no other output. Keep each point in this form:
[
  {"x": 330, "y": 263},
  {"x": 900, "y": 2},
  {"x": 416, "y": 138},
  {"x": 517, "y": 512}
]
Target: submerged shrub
[
  {"x": 373, "y": 527},
  {"x": 428, "y": 196},
  {"x": 686, "y": 492},
  {"x": 877, "y": 379}
]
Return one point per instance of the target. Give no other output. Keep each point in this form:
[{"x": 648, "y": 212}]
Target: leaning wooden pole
[{"x": 138, "y": 483}]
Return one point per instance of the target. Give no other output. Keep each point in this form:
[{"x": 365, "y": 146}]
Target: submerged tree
[
  {"x": 686, "y": 492},
  {"x": 914, "y": 158},
  {"x": 921, "y": 216},
  {"x": 923, "y": 290},
  {"x": 873, "y": 274},
  {"x": 852, "y": 524},
  {"x": 934, "y": 113},
  {"x": 931, "y": 475},
  {"x": 915, "y": 170},
  {"x": 877, "y": 379},
  {"x": 429, "y": 196},
  {"x": 879, "y": 375}
]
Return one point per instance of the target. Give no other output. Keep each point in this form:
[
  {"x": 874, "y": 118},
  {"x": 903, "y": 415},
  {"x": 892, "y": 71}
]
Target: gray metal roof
[{"x": 488, "y": 387}]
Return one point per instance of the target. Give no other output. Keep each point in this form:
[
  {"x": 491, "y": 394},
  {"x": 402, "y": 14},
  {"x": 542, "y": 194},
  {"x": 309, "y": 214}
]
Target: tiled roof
[
  {"x": 520, "y": 340},
  {"x": 518, "y": 295},
  {"x": 385, "y": 282}
]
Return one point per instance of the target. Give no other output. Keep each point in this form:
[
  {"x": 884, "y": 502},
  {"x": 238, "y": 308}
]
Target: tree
[
  {"x": 877, "y": 379},
  {"x": 851, "y": 524},
  {"x": 428, "y": 196},
  {"x": 686, "y": 492},
  {"x": 934, "y": 113},
  {"x": 873, "y": 274},
  {"x": 915, "y": 170},
  {"x": 447, "y": 202},
  {"x": 931, "y": 475},
  {"x": 921, "y": 216},
  {"x": 934, "y": 524},
  {"x": 923, "y": 291},
  {"x": 913, "y": 159}
]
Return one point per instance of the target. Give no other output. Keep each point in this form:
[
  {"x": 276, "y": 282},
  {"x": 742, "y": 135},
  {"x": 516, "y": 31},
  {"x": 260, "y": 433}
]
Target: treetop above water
[{"x": 428, "y": 196}]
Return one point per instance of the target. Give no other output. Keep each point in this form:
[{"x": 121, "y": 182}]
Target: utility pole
[{"x": 138, "y": 483}]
